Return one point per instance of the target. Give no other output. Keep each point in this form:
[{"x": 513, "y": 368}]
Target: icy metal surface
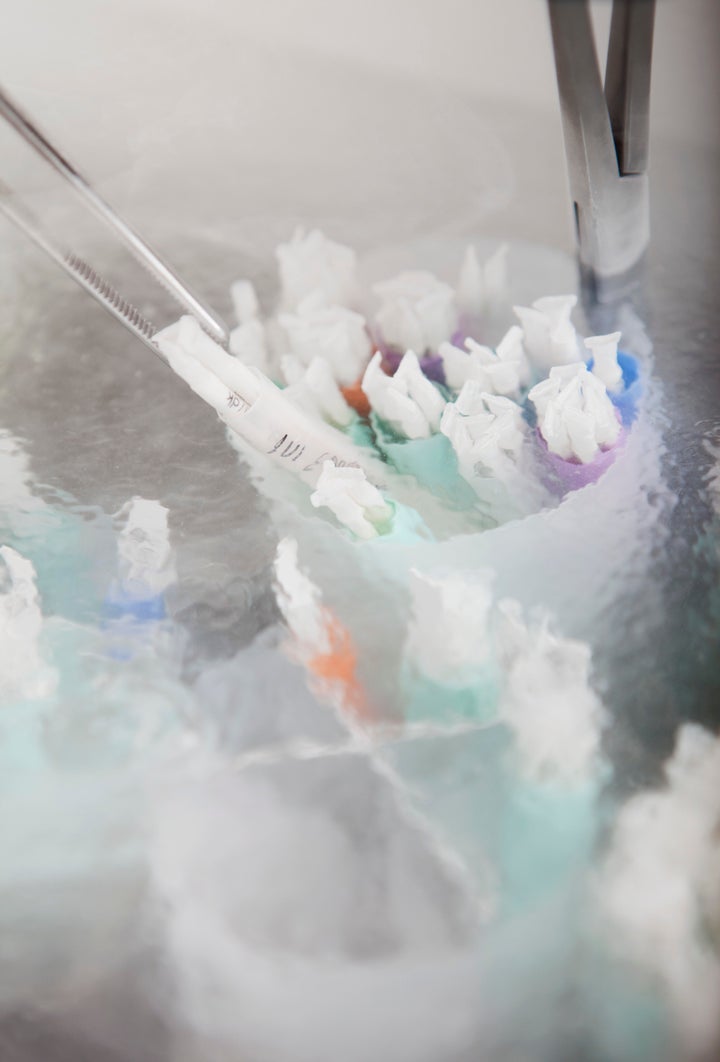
[{"x": 348, "y": 915}]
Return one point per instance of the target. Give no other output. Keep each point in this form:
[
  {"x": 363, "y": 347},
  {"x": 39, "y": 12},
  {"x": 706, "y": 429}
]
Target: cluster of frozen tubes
[{"x": 365, "y": 401}]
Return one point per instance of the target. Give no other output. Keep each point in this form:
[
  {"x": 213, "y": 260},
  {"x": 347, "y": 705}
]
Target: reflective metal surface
[{"x": 385, "y": 936}]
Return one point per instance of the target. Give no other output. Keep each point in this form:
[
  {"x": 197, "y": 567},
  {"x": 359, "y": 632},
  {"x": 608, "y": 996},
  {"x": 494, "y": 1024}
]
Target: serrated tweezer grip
[
  {"x": 81, "y": 272},
  {"x": 110, "y": 298},
  {"x": 84, "y": 274}
]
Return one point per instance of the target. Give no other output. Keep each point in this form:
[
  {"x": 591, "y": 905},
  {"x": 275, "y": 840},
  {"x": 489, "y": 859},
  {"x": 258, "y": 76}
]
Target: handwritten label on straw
[
  {"x": 234, "y": 401},
  {"x": 299, "y": 446},
  {"x": 293, "y": 451}
]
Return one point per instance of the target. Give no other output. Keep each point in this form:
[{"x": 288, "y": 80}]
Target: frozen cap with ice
[
  {"x": 313, "y": 387},
  {"x": 503, "y": 371},
  {"x": 549, "y": 336},
  {"x": 417, "y": 311},
  {"x": 248, "y": 341},
  {"x": 548, "y": 700},
  {"x": 486, "y": 431},
  {"x": 144, "y": 545},
  {"x": 245, "y": 301},
  {"x": 299, "y": 599},
  {"x": 575, "y": 416},
  {"x": 482, "y": 286},
  {"x": 659, "y": 887},
  {"x": 311, "y": 262},
  {"x": 22, "y": 670},
  {"x": 605, "y": 362},
  {"x": 407, "y": 401},
  {"x": 355, "y": 502},
  {"x": 334, "y": 333},
  {"x": 458, "y": 605}
]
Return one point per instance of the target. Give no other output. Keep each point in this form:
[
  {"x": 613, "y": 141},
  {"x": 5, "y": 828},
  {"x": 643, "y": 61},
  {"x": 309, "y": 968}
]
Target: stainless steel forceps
[
  {"x": 76, "y": 266},
  {"x": 606, "y": 136}
]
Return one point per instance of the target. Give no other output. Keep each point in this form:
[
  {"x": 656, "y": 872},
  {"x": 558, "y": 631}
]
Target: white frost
[
  {"x": 15, "y": 478},
  {"x": 311, "y": 262},
  {"x": 245, "y": 301},
  {"x": 547, "y": 699},
  {"x": 248, "y": 343},
  {"x": 356, "y": 503},
  {"x": 144, "y": 545},
  {"x": 22, "y": 670},
  {"x": 549, "y": 336},
  {"x": 334, "y": 333},
  {"x": 659, "y": 886},
  {"x": 503, "y": 371},
  {"x": 481, "y": 287},
  {"x": 575, "y": 416},
  {"x": 299, "y": 600},
  {"x": 190, "y": 351},
  {"x": 313, "y": 387},
  {"x": 486, "y": 431},
  {"x": 417, "y": 311},
  {"x": 458, "y": 608},
  {"x": 408, "y": 401},
  {"x": 605, "y": 363}
]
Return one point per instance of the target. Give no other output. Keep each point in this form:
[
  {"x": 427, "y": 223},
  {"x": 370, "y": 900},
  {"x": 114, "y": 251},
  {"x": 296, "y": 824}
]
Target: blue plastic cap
[
  {"x": 626, "y": 401},
  {"x": 120, "y": 602}
]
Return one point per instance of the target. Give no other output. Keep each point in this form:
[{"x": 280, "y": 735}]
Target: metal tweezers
[
  {"x": 606, "y": 143},
  {"x": 606, "y": 136},
  {"x": 77, "y": 267}
]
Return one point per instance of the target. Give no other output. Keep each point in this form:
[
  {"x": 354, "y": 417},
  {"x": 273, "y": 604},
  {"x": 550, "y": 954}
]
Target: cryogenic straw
[
  {"x": 253, "y": 407},
  {"x": 248, "y": 402},
  {"x": 156, "y": 266},
  {"x": 245, "y": 399}
]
